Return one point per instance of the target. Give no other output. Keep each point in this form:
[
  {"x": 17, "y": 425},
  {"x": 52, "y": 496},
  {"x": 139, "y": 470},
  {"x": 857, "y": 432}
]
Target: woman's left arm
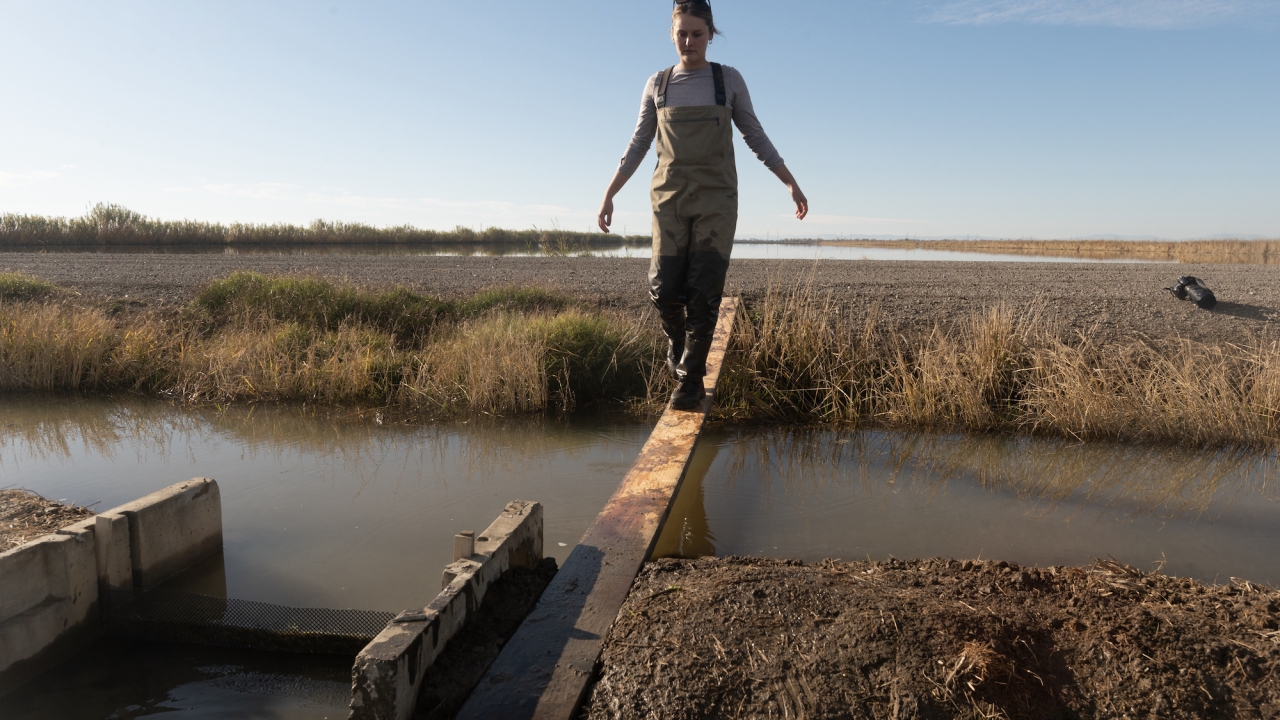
[
  {"x": 744, "y": 116},
  {"x": 797, "y": 196}
]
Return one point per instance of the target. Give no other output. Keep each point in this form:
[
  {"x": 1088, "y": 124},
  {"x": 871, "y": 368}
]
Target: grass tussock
[
  {"x": 1225, "y": 251},
  {"x": 252, "y": 337},
  {"x": 107, "y": 225},
  {"x": 801, "y": 357},
  {"x": 16, "y": 286}
]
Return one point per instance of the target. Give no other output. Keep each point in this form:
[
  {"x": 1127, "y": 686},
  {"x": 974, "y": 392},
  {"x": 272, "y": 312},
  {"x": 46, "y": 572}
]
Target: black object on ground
[
  {"x": 1191, "y": 288},
  {"x": 449, "y": 681}
]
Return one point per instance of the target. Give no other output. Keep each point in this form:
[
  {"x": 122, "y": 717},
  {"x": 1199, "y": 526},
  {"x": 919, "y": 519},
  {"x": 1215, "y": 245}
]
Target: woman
[{"x": 695, "y": 190}]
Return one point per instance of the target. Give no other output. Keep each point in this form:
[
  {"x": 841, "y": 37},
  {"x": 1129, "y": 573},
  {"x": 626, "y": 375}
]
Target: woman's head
[
  {"x": 692, "y": 27},
  {"x": 700, "y": 9}
]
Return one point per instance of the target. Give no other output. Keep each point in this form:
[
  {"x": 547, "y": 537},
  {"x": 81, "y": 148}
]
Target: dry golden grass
[
  {"x": 1253, "y": 252},
  {"x": 800, "y": 357},
  {"x": 500, "y": 352},
  {"x": 797, "y": 356}
]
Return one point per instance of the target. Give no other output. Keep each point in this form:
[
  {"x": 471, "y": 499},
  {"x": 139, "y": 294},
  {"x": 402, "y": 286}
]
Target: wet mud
[{"x": 757, "y": 638}]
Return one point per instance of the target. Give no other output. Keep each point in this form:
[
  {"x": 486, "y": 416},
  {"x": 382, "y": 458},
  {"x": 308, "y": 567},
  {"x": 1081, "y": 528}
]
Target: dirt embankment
[
  {"x": 1103, "y": 299},
  {"x": 756, "y": 638},
  {"x": 25, "y": 516}
]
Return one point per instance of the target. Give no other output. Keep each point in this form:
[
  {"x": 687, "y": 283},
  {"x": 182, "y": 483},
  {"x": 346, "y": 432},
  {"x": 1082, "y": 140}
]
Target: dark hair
[{"x": 697, "y": 8}]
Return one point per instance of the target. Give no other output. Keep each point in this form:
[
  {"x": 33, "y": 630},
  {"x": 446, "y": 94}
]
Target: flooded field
[
  {"x": 326, "y": 511},
  {"x": 742, "y": 250}
]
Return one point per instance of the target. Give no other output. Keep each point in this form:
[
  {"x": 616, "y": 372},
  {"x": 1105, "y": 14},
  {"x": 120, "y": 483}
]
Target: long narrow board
[{"x": 544, "y": 670}]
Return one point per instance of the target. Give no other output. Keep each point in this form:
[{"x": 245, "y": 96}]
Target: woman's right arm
[{"x": 641, "y": 139}]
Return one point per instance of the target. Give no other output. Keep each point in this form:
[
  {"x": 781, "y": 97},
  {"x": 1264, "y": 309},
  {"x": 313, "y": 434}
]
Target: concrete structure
[
  {"x": 48, "y": 603},
  {"x": 49, "y": 587},
  {"x": 171, "y": 529},
  {"x": 387, "y": 673}
]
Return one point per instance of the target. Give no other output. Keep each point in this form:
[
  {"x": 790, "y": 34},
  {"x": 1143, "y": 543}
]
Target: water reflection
[
  {"x": 318, "y": 509},
  {"x": 742, "y": 250},
  {"x": 118, "y": 679},
  {"x": 815, "y": 494}
]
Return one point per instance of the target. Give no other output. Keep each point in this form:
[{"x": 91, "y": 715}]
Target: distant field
[
  {"x": 1249, "y": 252},
  {"x": 116, "y": 226}
]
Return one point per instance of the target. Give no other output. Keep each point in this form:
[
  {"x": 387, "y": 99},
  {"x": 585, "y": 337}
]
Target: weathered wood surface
[{"x": 544, "y": 670}]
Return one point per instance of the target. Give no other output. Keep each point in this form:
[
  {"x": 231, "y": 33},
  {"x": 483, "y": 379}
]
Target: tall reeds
[
  {"x": 802, "y": 357},
  {"x": 1226, "y": 251},
  {"x": 106, "y": 225}
]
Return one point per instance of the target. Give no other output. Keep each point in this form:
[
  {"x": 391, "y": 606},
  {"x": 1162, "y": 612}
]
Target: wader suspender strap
[
  {"x": 660, "y": 100},
  {"x": 717, "y": 73}
]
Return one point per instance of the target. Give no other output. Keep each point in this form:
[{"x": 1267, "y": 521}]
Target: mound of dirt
[
  {"x": 757, "y": 638},
  {"x": 25, "y": 516}
]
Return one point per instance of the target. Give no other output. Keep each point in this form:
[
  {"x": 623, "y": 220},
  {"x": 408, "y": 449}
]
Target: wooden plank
[{"x": 544, "y": 670}]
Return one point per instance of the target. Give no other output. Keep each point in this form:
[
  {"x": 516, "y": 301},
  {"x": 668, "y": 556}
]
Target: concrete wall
[
  {"x": 49, "y": 586},
  {"x": 173, "y": 528},
  {"x": 48, "y": 603},
  {"x": 387, "y": 673}
]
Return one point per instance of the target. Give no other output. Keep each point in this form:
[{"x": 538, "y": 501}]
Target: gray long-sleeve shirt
[{"x": 698, "y": 87}]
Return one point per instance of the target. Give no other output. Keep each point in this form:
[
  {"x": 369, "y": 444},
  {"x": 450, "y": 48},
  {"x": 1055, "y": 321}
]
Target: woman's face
[{"x": 691, "y": 37}]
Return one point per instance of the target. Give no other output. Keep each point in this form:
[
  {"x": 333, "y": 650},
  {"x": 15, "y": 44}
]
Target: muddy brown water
[
  {"x": 323, "y": 510},
  {"x": 815, "y": 494}
]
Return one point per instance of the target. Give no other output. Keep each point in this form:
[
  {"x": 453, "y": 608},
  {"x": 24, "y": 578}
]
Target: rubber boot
[
  {"x": 688, "y": 394},
  {"x": 673, "y": 326},
  {"x": 692, "y": 368}
]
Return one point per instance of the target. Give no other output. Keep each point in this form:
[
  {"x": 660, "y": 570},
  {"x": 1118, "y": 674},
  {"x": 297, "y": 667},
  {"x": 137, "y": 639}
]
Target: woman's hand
[
  {"x": 802, "y": 202},
  {"x": 605, "y": 219},
  {"x": 793, "y": 187}
]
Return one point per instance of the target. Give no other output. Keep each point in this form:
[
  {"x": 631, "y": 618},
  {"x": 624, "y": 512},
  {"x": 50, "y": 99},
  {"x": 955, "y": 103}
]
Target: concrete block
[
  {"x": 387, "y": 673},
  {"x": 171, "y": 529},
  {"x": 115, "y": 563},
  {"x": 48, "y": 603}
]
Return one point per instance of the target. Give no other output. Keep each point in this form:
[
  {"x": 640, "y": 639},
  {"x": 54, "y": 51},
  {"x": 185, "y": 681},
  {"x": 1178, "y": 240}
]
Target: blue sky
[{"x": 998, "y": 118}]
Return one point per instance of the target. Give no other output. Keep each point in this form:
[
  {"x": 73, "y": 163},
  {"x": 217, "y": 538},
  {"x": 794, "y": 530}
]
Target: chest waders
[{"x": 695, "y": 213}]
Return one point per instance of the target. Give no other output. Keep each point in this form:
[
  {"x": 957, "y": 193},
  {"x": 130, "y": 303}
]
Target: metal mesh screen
[{"x": 171, "y": 615}]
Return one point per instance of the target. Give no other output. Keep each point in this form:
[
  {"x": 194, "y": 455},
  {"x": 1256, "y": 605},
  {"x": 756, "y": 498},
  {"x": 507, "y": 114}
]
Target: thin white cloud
[
  {"x": 10, "y": 180},
  {"x": 852, "y": 220},
  {"x": 1113, "y": 13},
  {"x": 271, "y": 191}
]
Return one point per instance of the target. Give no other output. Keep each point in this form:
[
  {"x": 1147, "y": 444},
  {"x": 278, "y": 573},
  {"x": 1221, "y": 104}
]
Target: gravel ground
[
  {"x": 1103, "y": 298},
  {"x": 756, "y": 638}
]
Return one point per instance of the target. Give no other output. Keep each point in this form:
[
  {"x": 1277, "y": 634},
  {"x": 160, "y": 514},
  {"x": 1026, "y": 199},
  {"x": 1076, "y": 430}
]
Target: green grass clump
[
  {"x": 513, "y": 299},
  {"x": 591, "y": 357},
  {"x": 16, "y": 286},
  {"x": 318, "y": 303}
]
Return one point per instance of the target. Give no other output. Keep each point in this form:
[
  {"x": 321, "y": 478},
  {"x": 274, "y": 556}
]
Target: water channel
[{"x": 321, "y": 510}]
